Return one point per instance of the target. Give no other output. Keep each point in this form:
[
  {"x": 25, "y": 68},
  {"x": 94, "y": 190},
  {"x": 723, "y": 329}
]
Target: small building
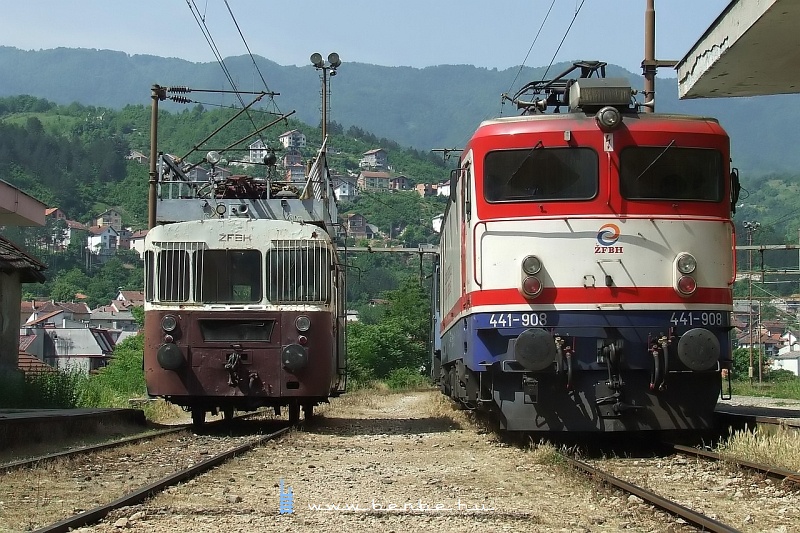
[
  {"x": 376, "y": 159},
  {"x": 138, "y": 157},
  {"x": 113, "y": 318},
  {"x": 128, "y": 299},
  {"x": 16, "y": 268}
]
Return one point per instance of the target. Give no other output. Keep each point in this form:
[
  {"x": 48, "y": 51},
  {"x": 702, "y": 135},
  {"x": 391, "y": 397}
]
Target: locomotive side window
[
  {"x": 227, "y": 276},
  {"x": 540, "y": 173},
  {"x": 298, "y": 274},
  {"x": 670, "y": 173},
  {"x": 173, "y": 275}
]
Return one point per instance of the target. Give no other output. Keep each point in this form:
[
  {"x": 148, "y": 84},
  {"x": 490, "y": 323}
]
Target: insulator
[
  {"x": 179, "y": 89},
  {"x": 181, "y": 99}
]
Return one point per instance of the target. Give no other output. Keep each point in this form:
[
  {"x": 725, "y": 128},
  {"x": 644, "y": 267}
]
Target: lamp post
[
  {"x": 751, "y": 227},
  {"x": 333, "y": 63}
]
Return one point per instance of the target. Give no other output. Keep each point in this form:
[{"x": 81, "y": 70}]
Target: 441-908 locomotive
[{"x": 587, "y": 260}]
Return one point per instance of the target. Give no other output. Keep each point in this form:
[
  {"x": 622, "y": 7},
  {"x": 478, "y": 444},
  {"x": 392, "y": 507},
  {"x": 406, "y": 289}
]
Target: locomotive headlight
[
  {"x": 531, "y": 265},
  {"x": 608, "y": 118},
  {"x": 686, "y": 263},
  {"x": 531, "y": 286},
  {"x": 169, "y": 323},
  {"x": 302, "y": 323}
]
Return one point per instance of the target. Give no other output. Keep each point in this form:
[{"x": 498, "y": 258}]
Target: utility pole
[
  {"x": 751, "y": 227},
  {"x": 650, "y": 64}
]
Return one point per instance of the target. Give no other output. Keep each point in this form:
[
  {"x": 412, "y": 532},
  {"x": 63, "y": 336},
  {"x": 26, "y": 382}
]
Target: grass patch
[
  {"x": 785, "y": 388},
  {"x": 778, "y": 447}
]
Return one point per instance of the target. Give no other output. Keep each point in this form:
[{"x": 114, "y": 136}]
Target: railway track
[
  {"x": 693, "y": 517},
  {"x": 700, "y": 486},
  {"x": 46, "y": 489},
  {"x": 140, "y": 494},
  {"x": 83, "y": 450},
  {"x": 774, "y": 472}
]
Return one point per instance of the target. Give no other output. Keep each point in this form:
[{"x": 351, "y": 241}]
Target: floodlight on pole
[{"x": 333, "y": 63}]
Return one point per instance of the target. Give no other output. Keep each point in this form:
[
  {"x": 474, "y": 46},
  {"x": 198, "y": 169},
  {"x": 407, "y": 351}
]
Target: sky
[{"x": 412, "y": 33}]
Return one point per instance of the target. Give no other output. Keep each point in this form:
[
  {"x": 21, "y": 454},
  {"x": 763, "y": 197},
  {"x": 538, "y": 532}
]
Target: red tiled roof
[
  {"x": 25, "y": 342},
  {"x": 30, "y": 364}
]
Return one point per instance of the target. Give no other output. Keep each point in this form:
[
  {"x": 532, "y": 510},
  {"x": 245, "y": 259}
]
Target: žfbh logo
[{"x": 608, "y": 235}]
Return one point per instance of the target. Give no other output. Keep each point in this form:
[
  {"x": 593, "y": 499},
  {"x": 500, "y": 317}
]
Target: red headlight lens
[
  {"x": 687, "y": 285},
  {"x": 531, "y": 286}
]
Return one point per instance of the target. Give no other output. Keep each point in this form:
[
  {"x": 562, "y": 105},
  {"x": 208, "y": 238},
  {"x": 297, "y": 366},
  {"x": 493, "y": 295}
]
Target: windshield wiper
[
  {"x": 538, "y": 145},
  {"x": 664, "y": 151}
]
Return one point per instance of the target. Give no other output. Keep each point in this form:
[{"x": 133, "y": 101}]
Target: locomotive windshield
[
  {"x": 227, "y": 276},
  {"x": 540, "y": 173},
  {"x": 298, "y": 274},
  {"x": 669, "y": 173}
]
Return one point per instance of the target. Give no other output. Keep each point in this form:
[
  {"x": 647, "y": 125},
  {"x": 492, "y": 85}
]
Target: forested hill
[{"x": 433, "y": 107}]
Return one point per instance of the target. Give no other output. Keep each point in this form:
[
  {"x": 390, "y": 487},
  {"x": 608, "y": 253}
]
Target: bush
[
  {"x": 407, "y": 378},
  {"x": 47, "y": 390}
]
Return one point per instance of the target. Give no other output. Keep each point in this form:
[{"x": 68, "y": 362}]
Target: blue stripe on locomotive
[{"x": 482, "y": 338}]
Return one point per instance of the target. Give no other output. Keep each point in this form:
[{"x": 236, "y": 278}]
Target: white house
[
  {"x": 293, "y": 140},
  {"x": 137, "y": 241},
  {"x": 257, "y": 151},
  {"x": 345, "y": 189},
  {"x": 102, "y": 240},
  {"x": 788, "y": 357}
]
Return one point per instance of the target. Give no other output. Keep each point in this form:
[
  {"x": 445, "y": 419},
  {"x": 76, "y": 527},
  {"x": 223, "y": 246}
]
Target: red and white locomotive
[{"x": 587, "y": 260}]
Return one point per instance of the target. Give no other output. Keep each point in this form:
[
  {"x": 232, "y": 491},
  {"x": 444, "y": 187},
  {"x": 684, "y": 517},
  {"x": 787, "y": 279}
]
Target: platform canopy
[{"x": 750, "y": 49}]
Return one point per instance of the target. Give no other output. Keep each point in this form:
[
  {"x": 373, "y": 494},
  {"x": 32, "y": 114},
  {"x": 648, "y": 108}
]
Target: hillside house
[
  {"x": 258, "y": 149},
  {"x": 138, "y": 157},
  {"x": 109, "y": 217},
  {"x": 293, "y": 139},
  {"x": 398, "y": 183},
  {"x": 376, "y": 159},
  {"x": 374, "y": 181},
  {"x": 137, "y": 241},
  {"x": 344, "y": 189},
  {"x": 296, "y": 173},
  {"x": 102, "y": 240},
  {"x": 356, "y": 226},
  {"x": 292, "y": 157},
  {"x": 128, "y": 299},
  {"x": 788, "y": 357}
]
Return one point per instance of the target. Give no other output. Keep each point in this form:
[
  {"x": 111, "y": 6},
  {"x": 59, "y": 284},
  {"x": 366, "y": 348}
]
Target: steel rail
[
  {"x": 23, "y": 463},
  {"x": 674, "y": 508},
  {"x": 771, "y": 471},
  {"x": 94, "y": 515}
]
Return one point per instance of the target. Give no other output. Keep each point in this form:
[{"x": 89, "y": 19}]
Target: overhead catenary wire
[
  {"x": 524, "y": 61},
  {"x": 201, "y": 22}
]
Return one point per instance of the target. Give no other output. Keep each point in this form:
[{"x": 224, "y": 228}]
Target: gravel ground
[{"x": 391, "y": 462}]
